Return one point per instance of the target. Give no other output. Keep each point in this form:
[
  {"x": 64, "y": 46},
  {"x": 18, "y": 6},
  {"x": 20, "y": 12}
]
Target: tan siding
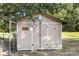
[{"x": 25, "y": 39}]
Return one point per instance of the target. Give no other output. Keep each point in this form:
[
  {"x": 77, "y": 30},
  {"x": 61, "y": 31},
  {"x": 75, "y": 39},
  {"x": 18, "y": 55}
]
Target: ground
[{"x": 70, "y": 47}]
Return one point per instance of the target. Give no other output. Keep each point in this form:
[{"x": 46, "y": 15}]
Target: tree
[{"x": 66, "y": 12}]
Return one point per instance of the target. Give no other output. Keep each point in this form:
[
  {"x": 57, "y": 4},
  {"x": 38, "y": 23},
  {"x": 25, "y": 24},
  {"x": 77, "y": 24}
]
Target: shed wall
[{"x": 30, "y": 39}]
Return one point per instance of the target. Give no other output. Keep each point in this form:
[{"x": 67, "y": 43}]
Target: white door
[
  {"x": 50, "y": 36},
  {"x": 54, "y": 41},
  {"x": 23, "y": 36},
  {"x": 28, "y": 36}
]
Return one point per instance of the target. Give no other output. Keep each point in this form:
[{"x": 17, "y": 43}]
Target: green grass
[
  {"x": 74, "y": 35},
  {"x": 6, "y": 35}
]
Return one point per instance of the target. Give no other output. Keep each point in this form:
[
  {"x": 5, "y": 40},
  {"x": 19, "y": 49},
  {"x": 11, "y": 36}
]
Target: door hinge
[
  {"x": 47, "y": 44},
  {"x": 32, "y": 44}
]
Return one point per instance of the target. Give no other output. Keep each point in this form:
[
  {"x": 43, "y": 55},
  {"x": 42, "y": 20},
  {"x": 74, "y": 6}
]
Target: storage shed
[{"x": 44, "y": 33}]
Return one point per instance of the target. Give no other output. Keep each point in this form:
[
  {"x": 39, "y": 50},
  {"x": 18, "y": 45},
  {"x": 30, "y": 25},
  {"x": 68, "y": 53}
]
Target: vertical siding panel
[
  {"x": 43, "y": 35},
  {"x": 36, "y": 36}
]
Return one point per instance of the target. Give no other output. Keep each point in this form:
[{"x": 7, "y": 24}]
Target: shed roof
[{"x": 45, "y": 15}]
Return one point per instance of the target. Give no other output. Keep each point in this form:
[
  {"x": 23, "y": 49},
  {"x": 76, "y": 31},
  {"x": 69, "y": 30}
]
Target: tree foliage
[{"x": 68, "y": 12}]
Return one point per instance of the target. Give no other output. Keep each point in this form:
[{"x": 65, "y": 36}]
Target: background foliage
[{"x": 68, "y": 12}]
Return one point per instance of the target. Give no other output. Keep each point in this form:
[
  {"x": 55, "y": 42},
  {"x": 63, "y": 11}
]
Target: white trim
[
  {"x": 61, "y": 36},
  {"x": 32, "y": 38},
  {"x": 17, "y": 36},
  {"x": 50, "y": 48},
  {"x": 47, "y": 35},
  {"x": 40, "y": 45},
  {"x": 20, "y": 49}
]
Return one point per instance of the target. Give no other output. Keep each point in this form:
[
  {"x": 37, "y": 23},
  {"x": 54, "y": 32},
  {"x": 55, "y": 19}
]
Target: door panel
[
  {"x": 50, "y": 35},
  {"x": 43, "y": 35},
  {"x": 24, "y": 39},
  {"x": 36, "y": 36},
  {"x": 55, "y": 36}
]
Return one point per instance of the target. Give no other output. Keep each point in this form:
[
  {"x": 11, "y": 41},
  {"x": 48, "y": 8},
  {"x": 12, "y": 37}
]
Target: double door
[{"x": 36, "y": 36}]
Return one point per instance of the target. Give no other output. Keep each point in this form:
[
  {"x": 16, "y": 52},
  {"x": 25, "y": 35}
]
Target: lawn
[
  {"x": 71, "y": 35},
  {"x": 6, "y": 35}
]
